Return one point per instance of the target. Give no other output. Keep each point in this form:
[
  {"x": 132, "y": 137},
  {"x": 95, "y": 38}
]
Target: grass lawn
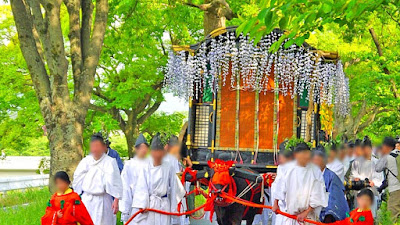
[{"x": 13, "y": 212}]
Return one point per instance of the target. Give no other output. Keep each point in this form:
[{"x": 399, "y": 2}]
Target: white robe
[
  {"x": 338, "y": 168},
  {"x": 301, "y": 188},
  {"x": 98, "y": 182},
  {"x": 173, "y": 161},
  {"x": 158, "y": 187},
  {"x": 280, "y": 175},
  {"x": 129, "y": 177}
]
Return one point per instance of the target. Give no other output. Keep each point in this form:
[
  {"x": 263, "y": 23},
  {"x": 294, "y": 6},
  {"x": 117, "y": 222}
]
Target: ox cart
[{"x": 244, "y": 100}]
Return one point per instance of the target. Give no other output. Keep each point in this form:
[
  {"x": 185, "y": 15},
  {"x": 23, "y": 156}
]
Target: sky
[{"x": 173, "y": 104}]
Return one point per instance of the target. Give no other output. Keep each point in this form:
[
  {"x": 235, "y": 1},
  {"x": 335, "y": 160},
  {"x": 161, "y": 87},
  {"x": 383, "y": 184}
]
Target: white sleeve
[
  {"x": 141, "y": 195},
  {"x": 381, "y": 164},
  {"x": 79, "y": 176},
  {"x": 318, "y": 194},
  {"x": 113, "y": 182},
  {"x": 279, "y": 187},
  {"x": 176, "y": 190},
  {"x": 354, "y": 171},
  {"x": 125, "y": 204}
]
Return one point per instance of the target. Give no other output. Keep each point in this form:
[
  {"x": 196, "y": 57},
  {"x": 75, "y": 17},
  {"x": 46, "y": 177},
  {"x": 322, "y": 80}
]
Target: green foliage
[
  {"x": 302, "y": 17},
  {"x": 20, "y": 117},
  {"x": 294, "y": 141},
  {"x": 163, "y": 123},
  {"x": 384, "y": 215}
]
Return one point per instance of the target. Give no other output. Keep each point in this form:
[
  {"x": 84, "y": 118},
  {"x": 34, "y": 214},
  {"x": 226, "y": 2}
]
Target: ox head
[{"x": 221, "y": 179}]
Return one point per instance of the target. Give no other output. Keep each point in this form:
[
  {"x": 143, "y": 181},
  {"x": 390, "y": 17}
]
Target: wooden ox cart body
[{"x": 231, "y": 119}]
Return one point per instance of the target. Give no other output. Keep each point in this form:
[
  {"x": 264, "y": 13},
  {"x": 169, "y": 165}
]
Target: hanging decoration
[{"x": 299, "y": 70}]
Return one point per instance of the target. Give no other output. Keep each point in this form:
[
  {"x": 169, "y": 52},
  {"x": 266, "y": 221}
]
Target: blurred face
[
  {"x": 398, "y": 146},
  {"x": 350, "y": 152},
  {"x": 319, "y": 161},
  {"x": 358, "y": 151},
  {"x": 386, "y": 149},
  {"x": 342, "y": 154},
  {"x": 303, "y": 157},
  {"x": 283, "y": 159},
  {"x": 157, "y": 156},
  {"x": 367, "y": 152},
  {"x": 61, "y": 185},
  {"x": 141, "y": 151},
  {"x": 97, "y": 149},
  {"x": 332, "y": 155},
  {"x": 174, "y": 150},
  {"x": 364, "y": 202}
]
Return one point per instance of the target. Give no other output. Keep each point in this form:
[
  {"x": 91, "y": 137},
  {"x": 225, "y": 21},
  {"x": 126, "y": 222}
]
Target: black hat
[
  {"x": 173, "y": 141},
  {"x": 357, "y": 143},
  {"x": 156, "y": 143},
  {"x": 334, "y": 147},
  {"x": 302, "y": 147},
  {"x": 287, "y": 152},
  {"x": 351, "y": 144},
  {"x": 97, "y": 137},
  {"x": 390, "y": 142},
  {"x": 141, "y": 140},
  {"x": 366, "y": 142},
  {"x": 320, "y": 151}
]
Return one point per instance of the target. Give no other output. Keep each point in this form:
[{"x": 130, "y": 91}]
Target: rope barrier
[
  {"x": 255, "y": 205},
  {"x": 211, "y": 199}
]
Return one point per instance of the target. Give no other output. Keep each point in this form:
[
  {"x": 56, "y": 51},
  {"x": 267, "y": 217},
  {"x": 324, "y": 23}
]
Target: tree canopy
[{"x": 126, "y": 78}]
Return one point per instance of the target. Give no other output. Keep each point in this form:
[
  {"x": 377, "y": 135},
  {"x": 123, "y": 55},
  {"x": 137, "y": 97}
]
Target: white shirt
[{"x": 337, "y": 167}]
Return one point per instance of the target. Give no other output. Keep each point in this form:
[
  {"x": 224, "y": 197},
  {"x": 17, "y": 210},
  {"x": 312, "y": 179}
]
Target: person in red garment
[
  {"x": 361, "y": 215},
  {"x": 65, "y": 206}
]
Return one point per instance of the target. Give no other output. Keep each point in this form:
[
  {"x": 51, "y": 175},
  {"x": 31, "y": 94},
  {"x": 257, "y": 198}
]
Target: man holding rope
[
  {"x": 157, "y": 187},
  {"x": 302, "y": 188}
]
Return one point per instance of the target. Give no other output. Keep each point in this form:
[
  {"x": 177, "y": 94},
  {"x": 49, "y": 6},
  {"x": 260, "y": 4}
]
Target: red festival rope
[
  {"x": 255, "y": 205},
  {"x": 210, "y": 200}
]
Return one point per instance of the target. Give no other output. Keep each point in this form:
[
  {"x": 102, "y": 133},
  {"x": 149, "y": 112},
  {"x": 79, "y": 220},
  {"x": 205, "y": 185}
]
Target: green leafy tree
[
  {"x": 128, "y": 85},
  {"x": 20, "y": 118},
  {"x": 54, "y": 35},
  {"x": 163, "y": 123},
  {"x": 366, "y": 35}
]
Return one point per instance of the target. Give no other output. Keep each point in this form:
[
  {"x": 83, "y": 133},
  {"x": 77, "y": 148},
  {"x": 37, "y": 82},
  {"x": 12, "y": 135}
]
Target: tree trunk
[
  {"x": 212, "y": 19},
  {"x": 216, "y": 12},
  {"x": 66, "y": 147},
  {"x": 131, "y": 134},
  {"x": 42, "y": 43}
]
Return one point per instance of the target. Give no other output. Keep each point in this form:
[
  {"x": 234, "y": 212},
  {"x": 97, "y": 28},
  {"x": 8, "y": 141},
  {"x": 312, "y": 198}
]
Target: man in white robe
[
  {"x": 130, "y": 175},
  {"x": 334, "y": 164},
  {"x": 302, "y": 188},
  {"x": 349, "y": 150},
  {"x": 173, "y": 148},
  {"x": 98, "y": 181},
  {"x": 158, "y": 187},
  {"x": 285, "y": 159}
]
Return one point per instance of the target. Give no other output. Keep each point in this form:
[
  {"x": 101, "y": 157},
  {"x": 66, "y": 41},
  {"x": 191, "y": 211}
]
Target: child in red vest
[
  {"x": 65, "y": 206},
  {"x": 361, "y": 215}
]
